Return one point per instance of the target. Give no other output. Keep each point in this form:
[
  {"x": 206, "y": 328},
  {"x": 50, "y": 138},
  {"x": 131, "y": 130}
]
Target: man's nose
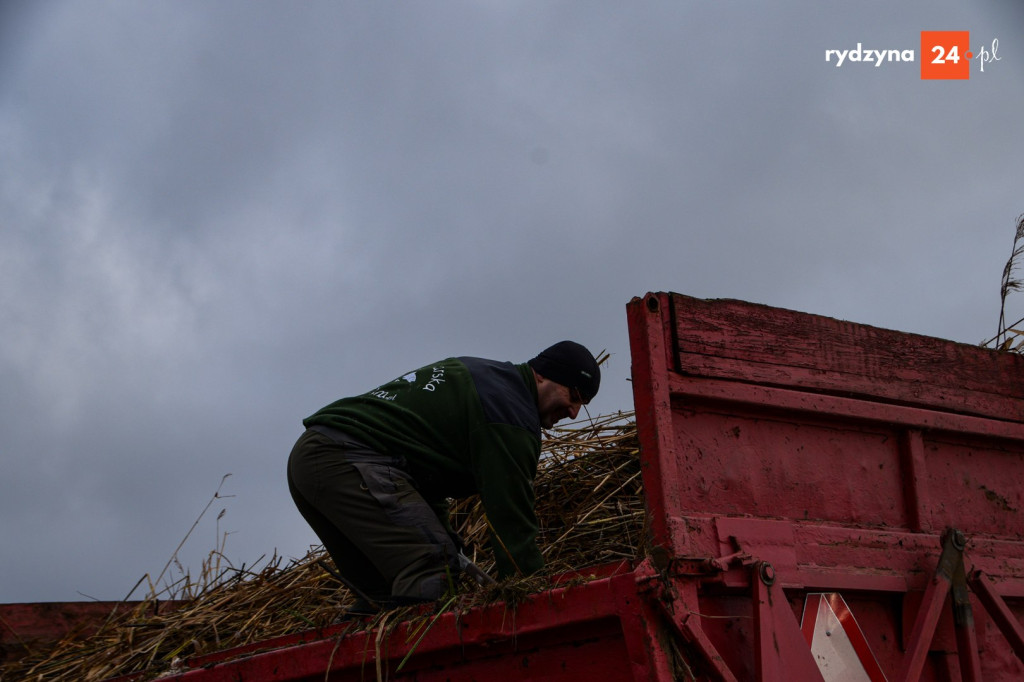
[{"x": 574, "y": 410}]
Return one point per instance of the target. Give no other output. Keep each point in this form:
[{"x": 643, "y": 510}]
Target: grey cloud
[{"x": 215, "y": 218}]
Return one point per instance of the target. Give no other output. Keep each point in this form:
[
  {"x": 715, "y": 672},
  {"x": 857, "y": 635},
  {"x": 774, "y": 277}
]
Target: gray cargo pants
[{"x": 382, "y": 535}]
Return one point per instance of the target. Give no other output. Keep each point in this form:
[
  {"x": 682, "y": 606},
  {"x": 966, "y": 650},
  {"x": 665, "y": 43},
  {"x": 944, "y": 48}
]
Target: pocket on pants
[
  {"x": 386, "y": 483},
  {"x": 402, "y": 503}
]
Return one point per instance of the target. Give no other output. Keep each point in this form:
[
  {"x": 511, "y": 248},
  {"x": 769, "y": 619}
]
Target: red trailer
[
  {"x": 821, "y": 491},
  {"x": 826, "y": 502}
]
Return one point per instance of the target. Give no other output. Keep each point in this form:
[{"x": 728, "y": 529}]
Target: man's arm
[{"x": 504, "y": 468}]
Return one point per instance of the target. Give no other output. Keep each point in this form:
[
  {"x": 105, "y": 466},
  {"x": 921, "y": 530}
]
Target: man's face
[{"x": 556, "y": 402}]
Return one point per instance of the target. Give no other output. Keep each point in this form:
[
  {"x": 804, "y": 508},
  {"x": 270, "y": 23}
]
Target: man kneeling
[{"x": 372, "y": 474}]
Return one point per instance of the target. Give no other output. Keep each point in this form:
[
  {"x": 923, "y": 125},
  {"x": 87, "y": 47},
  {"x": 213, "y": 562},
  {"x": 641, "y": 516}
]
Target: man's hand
[{"x": 475, "y": 572}]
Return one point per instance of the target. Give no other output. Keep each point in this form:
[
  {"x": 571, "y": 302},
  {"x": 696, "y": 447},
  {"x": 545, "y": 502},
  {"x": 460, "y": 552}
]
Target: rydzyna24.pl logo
[{"x": 945, "y": 55}]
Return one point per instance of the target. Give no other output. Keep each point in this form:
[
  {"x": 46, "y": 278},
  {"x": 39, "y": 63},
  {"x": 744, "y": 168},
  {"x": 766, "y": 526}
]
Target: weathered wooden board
[{"x": 776, "y": 347}]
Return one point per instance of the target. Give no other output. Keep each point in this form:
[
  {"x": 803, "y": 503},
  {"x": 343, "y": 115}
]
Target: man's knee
[{"x": 426, "y": 580}]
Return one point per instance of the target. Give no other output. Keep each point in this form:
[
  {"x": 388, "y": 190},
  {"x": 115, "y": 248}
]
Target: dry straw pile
[{"x": 590, "y": 508}]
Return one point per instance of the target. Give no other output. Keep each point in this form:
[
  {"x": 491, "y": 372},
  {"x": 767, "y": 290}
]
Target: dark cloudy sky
[{"x": 216, "y": 217}]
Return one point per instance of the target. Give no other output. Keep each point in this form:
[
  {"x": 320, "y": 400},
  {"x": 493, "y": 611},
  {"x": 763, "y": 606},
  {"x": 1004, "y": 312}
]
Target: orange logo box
[{"x": 945, "y": 55}]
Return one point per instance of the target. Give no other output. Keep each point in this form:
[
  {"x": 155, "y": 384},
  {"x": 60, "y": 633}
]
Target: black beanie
[{"x": 570, "y": 364}]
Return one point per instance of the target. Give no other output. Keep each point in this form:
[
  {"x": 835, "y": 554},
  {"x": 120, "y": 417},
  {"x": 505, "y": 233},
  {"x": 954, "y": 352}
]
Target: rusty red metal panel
[
  {"x": 837, "y": 453},
  {"x": 826, "y": 450}
]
